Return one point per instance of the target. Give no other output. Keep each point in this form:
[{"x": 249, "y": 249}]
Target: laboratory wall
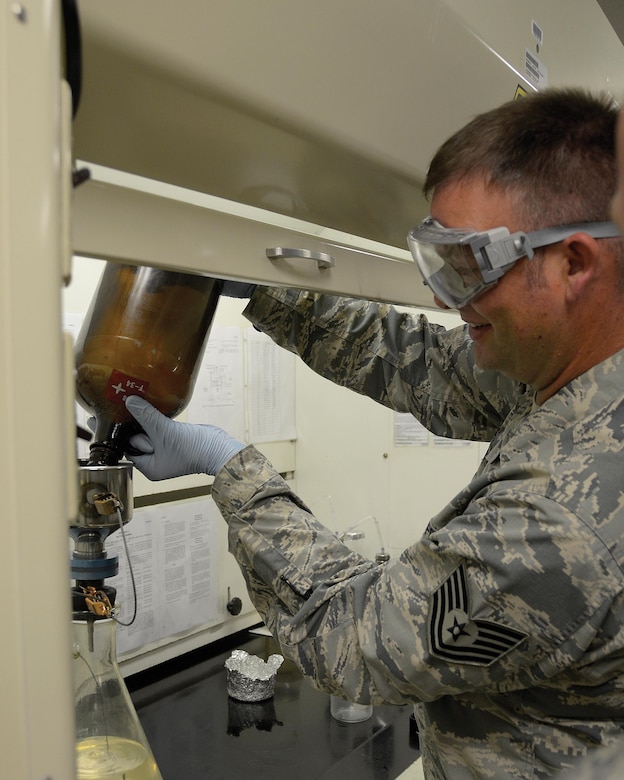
[{"x": 358, "y": 460}]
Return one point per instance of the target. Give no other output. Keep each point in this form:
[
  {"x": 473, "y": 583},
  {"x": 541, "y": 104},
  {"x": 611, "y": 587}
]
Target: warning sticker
[{"x": 535, "y": 70}]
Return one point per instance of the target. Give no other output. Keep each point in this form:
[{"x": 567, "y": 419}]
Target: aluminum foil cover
[{"x": 249, "y": 678}]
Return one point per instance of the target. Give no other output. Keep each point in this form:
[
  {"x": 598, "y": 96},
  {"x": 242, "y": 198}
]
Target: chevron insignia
[{"x": 456, "y": 637}]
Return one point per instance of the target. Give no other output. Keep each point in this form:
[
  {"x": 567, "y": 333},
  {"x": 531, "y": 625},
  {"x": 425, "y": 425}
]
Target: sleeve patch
[{"x": 456, "y": 637}]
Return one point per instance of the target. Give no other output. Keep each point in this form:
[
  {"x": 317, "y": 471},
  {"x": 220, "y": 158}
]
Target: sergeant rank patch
[{"x": 455, "y": 636}]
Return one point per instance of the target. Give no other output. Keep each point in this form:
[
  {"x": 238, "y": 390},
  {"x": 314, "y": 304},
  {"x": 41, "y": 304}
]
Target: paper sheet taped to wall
[
  {"x": 173, "y": 555},
  {"x": 218, "y": 397},
  {"x": 271, "y": 390}
]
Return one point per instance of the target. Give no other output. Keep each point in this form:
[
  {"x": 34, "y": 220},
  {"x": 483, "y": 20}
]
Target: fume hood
[{"x": 283, "y": 142}]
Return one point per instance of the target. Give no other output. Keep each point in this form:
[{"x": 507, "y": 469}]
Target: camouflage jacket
[{"x": 504, "y": 623}]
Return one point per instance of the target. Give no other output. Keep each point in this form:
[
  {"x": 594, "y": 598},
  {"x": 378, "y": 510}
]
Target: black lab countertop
[{"x": 197, "y": 732}]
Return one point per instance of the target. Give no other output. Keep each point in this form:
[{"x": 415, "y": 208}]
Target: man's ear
[{"x": 582, "y": 255}]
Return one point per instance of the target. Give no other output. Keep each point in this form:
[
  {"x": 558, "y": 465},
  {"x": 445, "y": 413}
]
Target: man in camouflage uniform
[{"x": 504, "y": 624}]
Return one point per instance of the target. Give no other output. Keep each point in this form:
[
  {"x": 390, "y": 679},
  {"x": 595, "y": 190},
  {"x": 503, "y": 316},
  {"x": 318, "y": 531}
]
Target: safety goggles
[{"x": 458, "y": 264}]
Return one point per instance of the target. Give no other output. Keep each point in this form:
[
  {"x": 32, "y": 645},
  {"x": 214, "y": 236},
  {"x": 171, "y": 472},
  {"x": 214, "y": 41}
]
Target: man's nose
[{"x": 440, "y": 304}]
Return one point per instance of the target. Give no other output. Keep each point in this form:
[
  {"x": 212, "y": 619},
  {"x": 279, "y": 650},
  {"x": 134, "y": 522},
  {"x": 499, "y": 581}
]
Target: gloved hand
[
  {"x": 237, "y": 289},
  {"x": 172, "y": 449}
]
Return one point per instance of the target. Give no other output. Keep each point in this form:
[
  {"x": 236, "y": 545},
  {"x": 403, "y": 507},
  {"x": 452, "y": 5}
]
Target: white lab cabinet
[
  {"x": 123, "y": 217},
  {"x": 319, "y": 119},
  {"x": 327, "y": 112}
]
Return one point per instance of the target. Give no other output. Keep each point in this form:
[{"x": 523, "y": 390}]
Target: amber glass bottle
[{"x": 143, "y": 335}]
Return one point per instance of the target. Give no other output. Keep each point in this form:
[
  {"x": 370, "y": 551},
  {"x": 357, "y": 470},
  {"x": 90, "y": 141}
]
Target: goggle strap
[
  {"x": 547, "y": 236},
  {"x": 504, "y": 252}
]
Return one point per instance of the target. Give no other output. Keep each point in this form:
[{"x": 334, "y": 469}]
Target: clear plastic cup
[{"x": 349, "y": 712}]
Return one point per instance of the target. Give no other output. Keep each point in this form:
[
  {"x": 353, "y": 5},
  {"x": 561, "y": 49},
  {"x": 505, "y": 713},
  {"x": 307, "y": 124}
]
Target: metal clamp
[
  {"x": 323, "y": 260},
  {"x": 107, "y": 503}
]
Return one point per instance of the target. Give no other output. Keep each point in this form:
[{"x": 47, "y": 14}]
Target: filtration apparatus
[
  {"x": 110, "y": 742},
  {"x": 144, "y": 335}
]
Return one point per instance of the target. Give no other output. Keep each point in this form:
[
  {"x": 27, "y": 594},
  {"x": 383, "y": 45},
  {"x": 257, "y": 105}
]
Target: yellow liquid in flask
[{"x": 114, "y": 758}]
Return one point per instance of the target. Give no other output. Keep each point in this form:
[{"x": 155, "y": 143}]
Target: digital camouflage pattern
[{"x": 504, "y": 624}]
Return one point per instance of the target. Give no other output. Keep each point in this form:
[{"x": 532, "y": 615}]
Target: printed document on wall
[
  {"x": 408, "y": 432},
  {"x": 219, "y": 388},
  {"x": 172, "y": 550},
  {"x": 270, "y": 390}
]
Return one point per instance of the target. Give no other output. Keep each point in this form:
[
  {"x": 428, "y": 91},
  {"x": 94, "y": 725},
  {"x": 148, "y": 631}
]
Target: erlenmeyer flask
[
  {"x": 110, "y": 743},
  {"x": 143, "y": 335}
]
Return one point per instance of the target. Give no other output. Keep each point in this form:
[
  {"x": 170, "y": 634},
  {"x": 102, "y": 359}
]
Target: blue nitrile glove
[
  {"x": 237, "y": 289},
  {"x": 172, "y": 449}
]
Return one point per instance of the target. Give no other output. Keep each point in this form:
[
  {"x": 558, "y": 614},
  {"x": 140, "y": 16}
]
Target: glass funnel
[{"x": 110, "y": 743}]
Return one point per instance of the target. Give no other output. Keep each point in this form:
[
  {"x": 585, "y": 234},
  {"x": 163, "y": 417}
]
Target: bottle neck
[
  {"x": 112, "y": 440},
  {"x": 103, "y": 454},
  {"x": 95, "y": 644}
]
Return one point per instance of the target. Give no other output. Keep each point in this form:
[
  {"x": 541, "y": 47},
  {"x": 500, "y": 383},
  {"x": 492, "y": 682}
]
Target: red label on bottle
[{"x": 120, "y": 386}]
